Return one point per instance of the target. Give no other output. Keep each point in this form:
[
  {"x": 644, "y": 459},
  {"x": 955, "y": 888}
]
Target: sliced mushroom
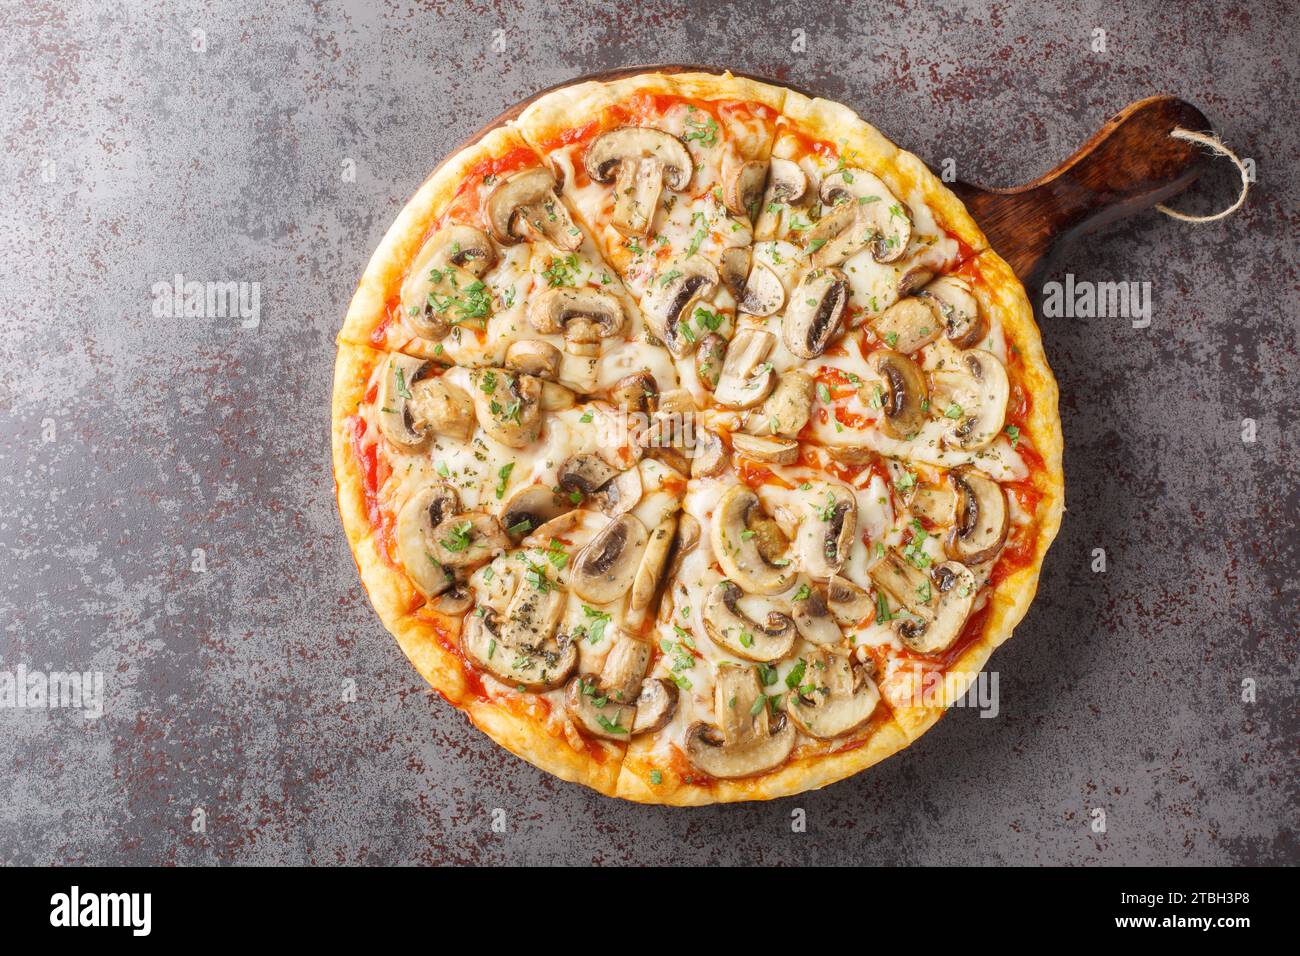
[
  {"x": 686, "y": 541},
  {"x": 585, "y": 316},
  {"x": 709, "y": 358},
  {"x": 733, "y": 269},
  {"x": 781, "y": 451},
  {"x": 835, "y": 697},
  {"x": 816, "y": 308},
  {"x": 956, "y": 309},
  {"x": 640, "y": 161},
  {"x": 746, "y": 740},
  {"x": 523, "y": 648},
  {"x": 787, "y": 409},
  {"x": 904, "y": 396},
  {"x": 881, "y": 221},
  {"x": 638, "y": 392},
  {"x": 445, "y": 270},
  {"x": 836, "y": 236},
  {"x": 955, "y": 586},
  {"x": 650, "y": 571},
  {"x": 395, "y": 420},
  {"x": 729, "y": 627},
  {"x": 742, "y": 190},
  {"x": 456, "y": 600},
  {"x": 508, "y": 406},
  {"x": 738, "y": 552},
  {"x": 934, "y": 503},
  {"x": 526, "y": 207},
  {"x": 530, "y": 507},
  {"x": 596, "y": 712},
  {"x": 438, "y": 407},
  {"x": 978, "y": 395},
  {"x": 666, "y": 306},
  {"x": 849, "y": 603},
  {"x": 906, "y": 584},
  {"x": 421, "y": 514},
  {"x": 982, "y": 518},
  {"x": 812, "y": 617},
  {"x": 786, "y": 183},
  {"x": 747, "y": 377},
  {"x": 556, "y": 398},
  {"x": 467, "y": 541},
  {"x": 625, "y": 666},
  {"x": 764, "y": 293},
  {"x": 592, "y": 479},
  {"x": 826, "y": 533},
  {"x": 709, "y": 456},
  {"x": 535, "y": 358},
  {"x": 908, "y": 325},
  {"x": 655, "y": 706},
  {"x": 605, "y": 569}
]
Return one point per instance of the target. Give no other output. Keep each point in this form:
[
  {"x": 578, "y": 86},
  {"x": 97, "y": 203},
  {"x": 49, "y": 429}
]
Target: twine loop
[{"x": 1214, "y": 145}]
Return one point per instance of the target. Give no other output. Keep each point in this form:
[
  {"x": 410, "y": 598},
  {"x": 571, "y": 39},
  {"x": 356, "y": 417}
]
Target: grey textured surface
[{"x": 1120, "y": 691}]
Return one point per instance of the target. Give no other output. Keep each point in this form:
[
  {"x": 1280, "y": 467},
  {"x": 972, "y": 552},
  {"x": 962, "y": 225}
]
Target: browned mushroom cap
[
  {"x": 530, "y": 507},
  {"x": 526, "y": 207},
  {"x": 982, "y": 518},
  {"x": 467, "y": 541},
  {"x": 532, "y": 357},
  {"x": 955, "y": 586},
  {"x": 908, "y": 325},
  {"x": 666, "y": 306},
  {"x": 396, "y": 422},
  {"x": 904, "y": 395},
  {"x": 787, "y": 409},
  {"x": 589, "y": 478},
  {"x": 422, "y": 513},
  {"x": 956, "y": 309},
  {"x": 593, "y": 710},
  {"x": 731, "y": 628},
  {"x": 655, "y": 706},
  {"x": 709, "y": 456},
  {"x": 585, "y": 316},
  {"x": 733, "y": 269},
  {"x": 738, "y": 552},
  {"x": 523, "y": 648},
  {"x": 906, "y": 584},
  {"x": 849, "y": 603},
  {"x": 508, "y": 406},
  {"x": 764, "y": 293},
  {"x": 638, "y": 392},
  {"x": 816, "y": 308},
  {"x": 605, "y": 569},
  {"x": 826, "y": 532},
  {"x": 881, "y": 221},
  {"x": 742, "y": 189},
  {"x": 746, "y": 740},
  {"x": 786, "y": 183},
  {"x": 747, "y": 377},
  {"x": 650, "y": 571},
  {"x": 686, "y": 541},
  {"x": 835, "y": 697},
  {"x": 781, "y": 451},
  {"x": 812, "y": 617},
  {"x": 443, "y": 278},
  {"x": 975, "y": 396},
  {"x": 641, "y": 161}
]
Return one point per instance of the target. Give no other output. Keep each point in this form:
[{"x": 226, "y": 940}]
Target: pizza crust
[{"x": 430, "y": 640}]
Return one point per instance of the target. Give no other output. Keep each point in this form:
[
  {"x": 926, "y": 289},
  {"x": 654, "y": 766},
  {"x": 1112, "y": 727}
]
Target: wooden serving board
[{"x": 1128, "y": 165}]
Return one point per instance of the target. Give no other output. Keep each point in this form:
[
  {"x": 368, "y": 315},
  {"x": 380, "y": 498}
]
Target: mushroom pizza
[{"x": 691, "y": 439}]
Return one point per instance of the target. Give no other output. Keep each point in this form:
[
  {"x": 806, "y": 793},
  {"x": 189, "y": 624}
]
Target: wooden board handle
[{"x": 1131, "y": 163}]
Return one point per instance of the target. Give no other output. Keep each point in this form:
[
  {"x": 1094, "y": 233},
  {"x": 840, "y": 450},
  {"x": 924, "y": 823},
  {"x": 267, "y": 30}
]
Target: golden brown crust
[
  {"x": 858, "y": 143},
  {"x": 430, "y": 640},
  {"x": 453, "y": 189}
]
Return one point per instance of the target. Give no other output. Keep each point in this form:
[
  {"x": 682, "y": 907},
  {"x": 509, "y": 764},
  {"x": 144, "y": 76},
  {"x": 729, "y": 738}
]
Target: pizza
[{"x": 690, "y": 438}]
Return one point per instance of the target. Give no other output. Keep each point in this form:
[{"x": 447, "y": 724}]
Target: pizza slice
[{"x": 667, "y": 172}]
